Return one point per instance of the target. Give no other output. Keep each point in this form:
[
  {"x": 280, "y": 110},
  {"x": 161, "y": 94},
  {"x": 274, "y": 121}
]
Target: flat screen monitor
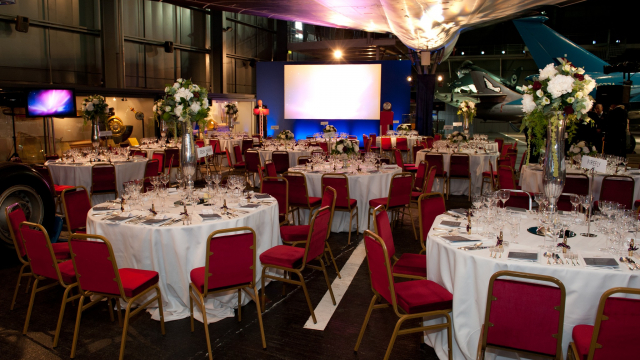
[
  {"x": 340, "y": 92},
  {"x": 51, "y": 102}
]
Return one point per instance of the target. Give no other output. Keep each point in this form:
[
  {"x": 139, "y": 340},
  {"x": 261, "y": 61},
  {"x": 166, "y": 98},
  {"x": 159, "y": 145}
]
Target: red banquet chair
[
  {"x": 44, "y": 264},
  {"x": 294, "y": 259},
  {"x": 490, "y": 175},
  {"x": 280, "y": 160},
  {"x": 299, "y": 195},
  {"x": 151, "y": 169},
  {"x": 414, "y": 151},
  {"x": 252, "y": 158},
  {"x": 99, "y": 277},
  {"x": 240, "y": 166},
  {"x": 160, "y": 157},
  {"x": 141, "y": 153},
  {"x": 437, "y": 137},
  {"x": 429, "y": 142},
  {"x": 523, "y": 316},
  {"x": 239, "y": 154},
  {"x": 618, "y": 188},
  {"x": 246, "y": 145},
  {"x": 304, "y": 160},
  {"x": 430, "y": 206},
  {"x": 409, "y": 299},
  {"x": 613, "y": 334},
  {"x": 437, "y": 160},
  {"x": 46, "y": 174},
  {"x": 506, "y": 181},
  {"x": 230, "y": 264},
  {"x": 367, "y": 145},
  {"x": 401, "y": 164},
  {"x": 270, "y": 169},
  {"x": 76, "y": 205},
  {"x": 459, "y": 168},
  {"x": 324, "y": 146},
  {"x": 574, "y": 184},
  {"x": 412, "y": 266},
  {"x": 500, "y": 142},
  {"x": 171, "y": 159},
  {"x": 402, "y": 144},
  {"x": 385, "y": 145},
  {"x": 103, "y": 180},
  {"x": 278, "y": 188},
  {"x": 374, "y": 144},
  {"x": 344, "y": 202},
  {"x": 398, "y": 200},
  {"x": 15, "y": 216}
]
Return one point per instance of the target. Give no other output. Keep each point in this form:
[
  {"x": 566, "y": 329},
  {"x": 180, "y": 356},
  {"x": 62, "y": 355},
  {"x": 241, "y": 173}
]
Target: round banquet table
[
  {"x": 531, "y": 180},
  {"x": 173, "y": 251},
  {"x": 362, "y": 187},
  {"x": 478, "y": 163},
  {"x": 80, "y": 175},
  {"x": 466, "y": 275},
  {"x": 411, "y": 140},
  {"x": 293, "y": 155},
  {"x": 229, "y": 144}
]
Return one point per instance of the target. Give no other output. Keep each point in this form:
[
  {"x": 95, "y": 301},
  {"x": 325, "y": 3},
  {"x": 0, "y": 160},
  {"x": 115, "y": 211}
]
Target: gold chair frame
[
  {"x": 395, "y": 211},
  {"x": 64, "y": 205},
  {"x": 459, "y": 177},
  {"x": 425, "y": 232},
  {"x": 352, "y": 212},
  {"x": 9, "y": 209},
  {"x": 288, "y": 212},
  {"x": 296, "y": 208},
  {"x": 115, "y": 179}
]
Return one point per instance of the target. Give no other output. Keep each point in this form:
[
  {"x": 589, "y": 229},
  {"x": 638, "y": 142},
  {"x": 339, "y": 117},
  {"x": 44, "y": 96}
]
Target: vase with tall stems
[{"x": 555, "y": 171}]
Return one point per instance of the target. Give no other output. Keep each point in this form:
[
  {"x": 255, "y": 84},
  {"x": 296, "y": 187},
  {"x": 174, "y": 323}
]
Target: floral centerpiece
[
  {"x": 468, "y": 111},
  {"x": 582, "y": 148},
  {"x": 231, "y": 109},
  {"x": 285, "y": 135},
  {"x": 329, "y": 129},
  {"x": 457, "y": 137},
  {"x": 94, "y": 107},
  {"x": 402, "y": 128},
  {"x": 344, "y": 146}
]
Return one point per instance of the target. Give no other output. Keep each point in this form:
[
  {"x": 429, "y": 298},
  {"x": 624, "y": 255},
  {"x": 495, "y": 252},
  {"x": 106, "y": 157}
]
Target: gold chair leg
[
  {"x": 124, "y": 330},
  {"x": 306, "y": 295},
  {"x": 15, "y": 293},
  {"x": 33, "y": 296},
  {"x": 326, "y": 277},
  {"x": 110, "y": 308},
  {"x": 160, "y": 309},
  {"x": 62, "y": 307},
  {"x": 328, "y": 248},
  {"x": 262, "y": 298},
  {"x": 393, "y": 337},
  {"x": 191, "y": 306},
  {"x": 206, "y": 326},
  {"x": 366, "y": 320},
  {"x": 350, "y": 231},
  {"x": 77, "y": 328},
  {"x": 357, "y": 223},
  {"x": 119, "y": 311},
  {"x": 264, "y": 342}
]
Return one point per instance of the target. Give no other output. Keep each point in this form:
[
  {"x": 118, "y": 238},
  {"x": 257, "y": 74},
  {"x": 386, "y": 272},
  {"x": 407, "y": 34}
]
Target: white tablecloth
[
  {"x": 466, "y": 275},
  {"x": 80, "y": 175},
  {"x": 173, "y": 251},
  {"x": 411, "y": 141},
  {"x": 478, "y": 163},
  {"x": 531, "y": 181},
  {"x": 361, "y": 187},
  {"x": 293, "y": 156}
]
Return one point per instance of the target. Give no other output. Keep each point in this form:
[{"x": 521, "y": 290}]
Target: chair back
[
  {"x": 513, "y": 157},
  {"x": 401, "y": 144},
  {"x": 505, "y": 149},
  {"x": 524, "y": 315},
  {"x": 171, "y": 157},
  {"x": 15, "y": 216},
  {"x": 459, "y": 165},
  {"x": 270, "y": 168},
  {"x": 151, "y": 169},
  {"x": 574, "y": 184},
  {"x": 44, "y": 172},
  {"x": 506, "y": 180},
  {"x": 429, "y": 180},
  {"x": 76, "y": 204},
  {"x": 298, "y": 193},
  {"x": 142, "y": 153},
  {"x": 304, "y": 160},
  {"x": 429, "y": 142},
  {"x": 48, "y": 157},
  {"x": 238, "y": 153},
  {"x": 618, "y": 188},
  {"x": 522, "y": 160},
  {"x": 373, "y": 138},
  {"x": 226, "y": 152},
  {"x": 398, "y": 156},
  {"x": 280, "y": 160},
  {"x": 414, "y": 150},
  {"x": 103, "y": 178},
  {"x": 430, "y": 206},
  {"x": 318, "y": 230},
  {"x": 231, "y": 258},
  {"x": 365, "y": 141},
  {"x": 160, "y": 157},
  {"x": 379, "y": 267},
  {"x": 329, "y": 199},
  {"x": 500, "y": 141},
  {"x": 340, "y": 183},
  {"x": 437, "y": 137},
  {"x": 246, "y": 145},
  {"x": 400, "y": 190},
  {"x": 278, "y": 188},
  {"x": 384, "y": 159},
  {"x": 260, "y": 173},
  {"x": 436, "y": 160},
  {"x": 324, "y": 146},
  {"x": 421, "y": 175},
  {"x": 382, "y": 227},
  {"x": 504, "y": 161},
  {"x": 95, "y": 264},
  {"x": 252, "y": 159},
  {"x": 215, "y": 146},
  {"x": 614, "y": 329},
  {"x": 38, "y": 247},
  {"x": 385, "y": 143}
]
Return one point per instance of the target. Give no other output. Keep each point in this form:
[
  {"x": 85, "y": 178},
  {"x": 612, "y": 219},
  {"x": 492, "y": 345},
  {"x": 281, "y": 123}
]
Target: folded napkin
[{"x": 209, "y": 216}]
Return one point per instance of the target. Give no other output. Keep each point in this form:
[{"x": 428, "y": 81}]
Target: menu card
[
  {"x": 456, "y": 238},
  {"x": 155, "y": 221},
  {"x": 250, "y": 206},
  {"x": 601, "y": 262},
  {"x": 262, "y": 196},
  {"x": 515, "y": 255},
  {"x": 450, "y": 223},
  {"x": 206, "y": 217}
]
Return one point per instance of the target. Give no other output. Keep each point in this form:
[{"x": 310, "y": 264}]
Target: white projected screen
[{"x": 332, "y": 91}]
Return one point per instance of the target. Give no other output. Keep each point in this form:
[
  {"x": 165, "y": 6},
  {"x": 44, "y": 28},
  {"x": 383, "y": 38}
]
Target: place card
[
  {"x": 451, "y": 223},
  {"x": 601, "y": 262},
  {"x": 155, "y": 221},
  {"x": 516, "y": 255},
  {"x": 103, "y": 208},
  {"x": 206, "y": 217},
  {"x": 250, "y": 206},
  {"x": 121, "y": 218},
  {"x": 262, "y": 196},
  {"x": 456, "y": 238}
]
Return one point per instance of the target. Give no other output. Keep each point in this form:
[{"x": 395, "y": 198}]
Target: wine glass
[
  {"x": 164, "y": 178},
  {"x": 575, "y": 201},
  {"x": 585, "y": 201},
  {"x": 504, "y": 195},
  {"x": 476, "y": 200}
]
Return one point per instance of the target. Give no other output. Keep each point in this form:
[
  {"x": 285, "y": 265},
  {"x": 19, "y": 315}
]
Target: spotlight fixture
[
  {"x": 409, "y": 78},
  {"x": 337, "y": 54},
  {"x": 439, "y": 78},
  {"x": 462, "y": 53},
  {"x": 482, "y": 52}
]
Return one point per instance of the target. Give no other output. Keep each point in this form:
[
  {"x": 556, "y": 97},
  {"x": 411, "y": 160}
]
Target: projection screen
[{"x": 344, "y": 92}]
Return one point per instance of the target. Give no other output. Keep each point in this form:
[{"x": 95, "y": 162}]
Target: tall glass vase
[
  {"x": 555, "y": 171},
  {"x": 95, "y": 133},
  {"x": 465, "y": 124},
  {"x": 188, "y": 155}
]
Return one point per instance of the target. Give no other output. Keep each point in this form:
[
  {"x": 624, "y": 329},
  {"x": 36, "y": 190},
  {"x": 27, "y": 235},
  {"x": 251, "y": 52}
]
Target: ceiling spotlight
[
  {"x": 337, "y": 54},
  {"x": 502, "y": 52},
  {"x": 439, "y": 78},
  {"x": 524, "y": 51},
  {"x": 462, "y": 53},
  {"x": 617, "y": 41},
  {"x": 482, "y": 52},
  {"x": 409, "y": 78},
  {"x": 594, "y": 42},
  {"x": 114, "y": 99}
]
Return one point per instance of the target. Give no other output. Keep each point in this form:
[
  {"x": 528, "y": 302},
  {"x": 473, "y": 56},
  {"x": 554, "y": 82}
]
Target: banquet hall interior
[{"x": 316, "y": 179}]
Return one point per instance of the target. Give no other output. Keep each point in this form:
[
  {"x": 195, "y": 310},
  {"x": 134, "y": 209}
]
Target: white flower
[
  {"x": 472, "y": 105},
  {"x": 570, "y": 100},
  {"x": 89, "y": 107},
  {"x": 180, "y": 80},
  {"x": 581, "y": 144},
  {"x": 95, "y": 101},
  {"x": 195, "y": 107},
  {"x": 540, "y": 93},
  {"x": 579, "y": 95},
  {"x": 167, "y": 108},
  {"x": 167, "y": 89},
  {"x": 567, "y": 68},
  {"x": 585, "y": 150},
  {"x": 593, "y": 148},
  {"x": 572, "y": 149},
  {"x": 548, "y": 72},
  {"x": 580, "y": 71},
  {"x": 178, "y": 110},
  {"x": 84, "y": 107},
  {"x": 588, "y": 103},
  {"x": 528, "y": 105},
  {"x": 546, "y": 101},
  {"x": 340, "y": 147},
  {"x": 176, "y": 85},
  {"x": 590, "y": 84},
  {"x": 155, "y": 108},
  {"x": 205, "y": 103},
  {"x": 559, "y": 85}
]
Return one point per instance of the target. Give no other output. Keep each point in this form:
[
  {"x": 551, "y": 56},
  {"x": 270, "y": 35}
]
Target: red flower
[
  {"x": 196, "y": 95},
  {"x": 537, "y": 85},
  {"x": 568, "y": 110},
  {"x": 579, "y": 77}
]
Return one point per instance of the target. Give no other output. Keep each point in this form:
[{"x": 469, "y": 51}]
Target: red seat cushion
[
  {"x": 67, "y": 271},
  {"x": 410, "y": 168},
  {"x": 197, "y": 278},
  {"x": 422, "y": 296},
  {"x": 415, "y": 195},
  {"x": 352, "y": 204},
  {"x": 239, "y": 165},
  {"x": 61, "y": 250},
  {"x": 582, "y": 338},
  {"x": 375, "y": 147},
  {"x": 313, "y": 202},
  {"x": 377, "y": 202},
  {"x": 60, "y": 188},
  {"x": 135, "y": 281},
  {"x": 294, "y": 233},
  {"x": 488, "y": 174},
  {"x": 411, "y": 264},
  {"x": 282, "y": 255}
]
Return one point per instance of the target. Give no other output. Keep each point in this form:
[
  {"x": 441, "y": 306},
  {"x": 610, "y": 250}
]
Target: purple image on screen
[{"x": 51, "y": 103}]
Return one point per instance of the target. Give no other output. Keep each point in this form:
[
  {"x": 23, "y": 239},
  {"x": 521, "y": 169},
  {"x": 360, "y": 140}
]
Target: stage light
[
  {"x": 409, "y": 78},
  {"x": 502, "y": 52},
  {"x": 337, "y": 54},
  {"x": 594, "y": 42},
  {"x": 439, "y": 78},
  {"x": 462, "y": 53},
  {"x": 481, "y": 52},
  {"x": 617, "y": 41}
]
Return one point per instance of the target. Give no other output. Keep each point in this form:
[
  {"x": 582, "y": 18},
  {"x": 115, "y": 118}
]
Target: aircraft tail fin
[
  {"x": 515, "y": 77},
  {"x": 547, "y": 46}
]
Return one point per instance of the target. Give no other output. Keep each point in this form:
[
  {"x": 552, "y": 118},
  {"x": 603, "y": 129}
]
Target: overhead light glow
[
  {"x": 337, "y": 54},
  {"x": 502, "y": 52},
  {"x": 594, "y": 42},
  {"x": 409, "y": 78},
  {"x": 617, "y": 41},
  {"x": 439, "y": 78},
  {"x": 462, "y": 53},
  {"x": 482, "y": 52}
]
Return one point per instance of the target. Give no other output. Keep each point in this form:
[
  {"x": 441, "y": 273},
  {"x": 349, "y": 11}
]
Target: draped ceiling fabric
[{"x": 419, "y": 24}]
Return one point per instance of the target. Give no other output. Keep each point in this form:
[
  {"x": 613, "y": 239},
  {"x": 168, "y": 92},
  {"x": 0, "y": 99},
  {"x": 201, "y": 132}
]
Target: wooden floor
[{"x": 284, "y": 319}]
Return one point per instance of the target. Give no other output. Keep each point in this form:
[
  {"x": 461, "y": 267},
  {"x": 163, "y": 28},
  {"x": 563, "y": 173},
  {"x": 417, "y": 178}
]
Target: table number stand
[{"x": 590, "y": 195}]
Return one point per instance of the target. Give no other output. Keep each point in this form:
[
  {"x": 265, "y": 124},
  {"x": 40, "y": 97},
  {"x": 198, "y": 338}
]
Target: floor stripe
[{"x": 324, "y": 311}]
